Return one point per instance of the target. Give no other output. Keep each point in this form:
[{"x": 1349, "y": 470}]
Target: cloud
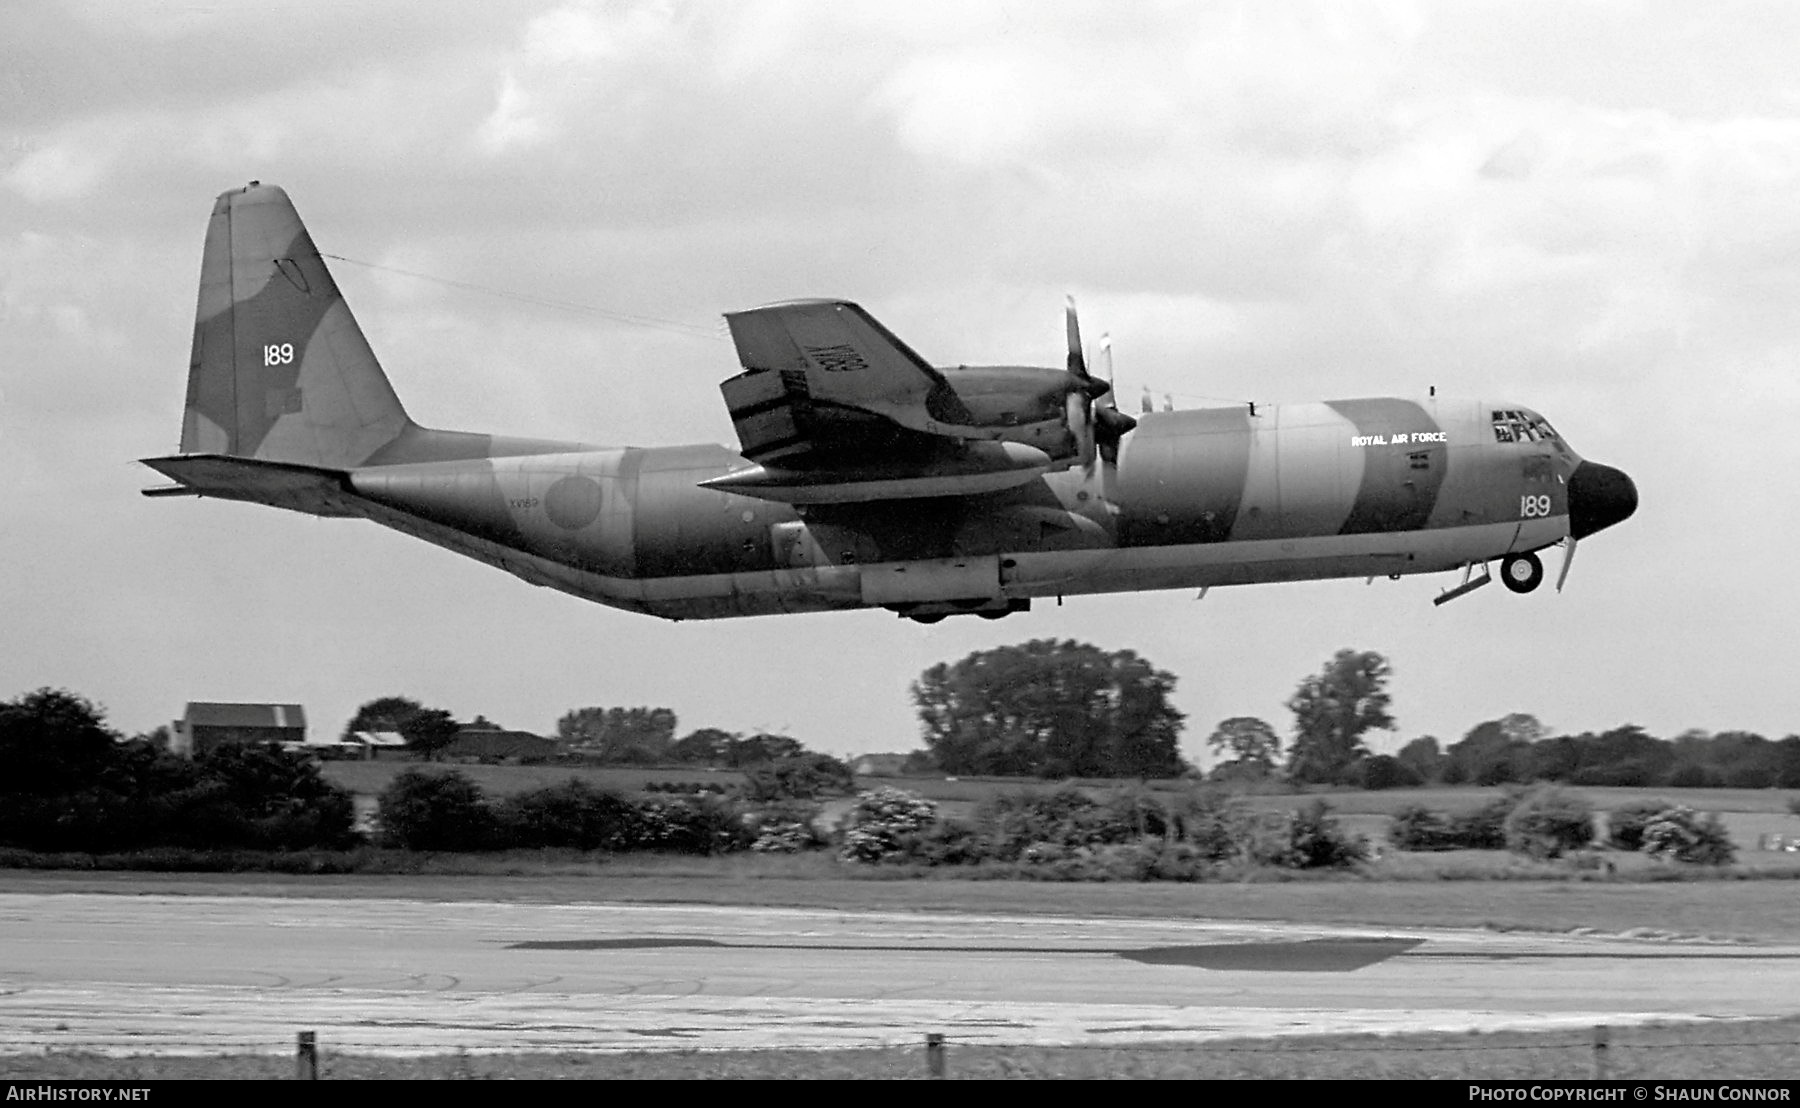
[
  {"x": 67, "y": 168},
  {"x": 571, "y": 61}
]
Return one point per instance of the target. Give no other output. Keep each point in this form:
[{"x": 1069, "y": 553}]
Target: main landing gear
[{"x": 1522, "y": 572}]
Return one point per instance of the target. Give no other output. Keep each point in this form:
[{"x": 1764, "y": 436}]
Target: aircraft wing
[
  {"x": 835, "y": 409},
  {"x": 826, "y": 371}
]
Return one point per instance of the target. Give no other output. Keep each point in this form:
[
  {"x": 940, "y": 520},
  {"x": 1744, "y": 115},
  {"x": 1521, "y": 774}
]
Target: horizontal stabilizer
[{"x": 319, "y": 492}]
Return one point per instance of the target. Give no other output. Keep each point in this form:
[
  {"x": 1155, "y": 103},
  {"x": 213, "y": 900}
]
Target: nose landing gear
[{"x": 1522, "y": 572}]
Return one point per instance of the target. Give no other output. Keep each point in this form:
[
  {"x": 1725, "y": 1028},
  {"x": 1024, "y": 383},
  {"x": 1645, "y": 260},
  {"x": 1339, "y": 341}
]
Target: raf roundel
[{"x": 573, "y": 502}]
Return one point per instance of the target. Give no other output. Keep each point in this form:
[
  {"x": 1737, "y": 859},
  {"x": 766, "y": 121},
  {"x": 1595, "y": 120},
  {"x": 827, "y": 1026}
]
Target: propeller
[
  {"x": 1078, "y": 403},
  {"x": 1110, "y": 423},
  {"x": 1088, "y": 423}
]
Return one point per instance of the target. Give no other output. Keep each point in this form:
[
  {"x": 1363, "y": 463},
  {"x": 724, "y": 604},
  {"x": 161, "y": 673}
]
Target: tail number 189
[
  {"x": 278, "y": 353},
  {"x": 1534, "y": 507}
]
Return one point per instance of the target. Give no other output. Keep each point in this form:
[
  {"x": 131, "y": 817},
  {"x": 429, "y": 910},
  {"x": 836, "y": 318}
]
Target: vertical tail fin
[{"x": 280, "y": 371}]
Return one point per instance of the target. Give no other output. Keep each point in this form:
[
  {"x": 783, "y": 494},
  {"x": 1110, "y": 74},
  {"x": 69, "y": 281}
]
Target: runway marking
[{"x": 1304, "y": 956}]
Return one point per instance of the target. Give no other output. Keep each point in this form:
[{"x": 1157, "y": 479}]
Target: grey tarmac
[{"x": 200, "y": 975}]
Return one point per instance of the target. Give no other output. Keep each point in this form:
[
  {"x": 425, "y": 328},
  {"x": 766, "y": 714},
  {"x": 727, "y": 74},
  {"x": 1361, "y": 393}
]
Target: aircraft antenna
[{"x": 672, "y": 326}]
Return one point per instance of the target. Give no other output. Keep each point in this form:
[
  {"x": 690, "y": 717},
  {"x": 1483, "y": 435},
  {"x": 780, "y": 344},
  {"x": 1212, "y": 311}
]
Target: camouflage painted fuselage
[{"x": 1198, "y": 498}]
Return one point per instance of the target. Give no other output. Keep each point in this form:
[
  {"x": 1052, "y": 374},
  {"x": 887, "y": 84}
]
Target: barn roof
[{"x": 203, "y": 713}]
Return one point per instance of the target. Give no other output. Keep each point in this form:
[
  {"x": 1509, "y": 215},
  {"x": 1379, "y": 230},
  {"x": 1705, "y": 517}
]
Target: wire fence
[{"x": 1754, "y": 1051}]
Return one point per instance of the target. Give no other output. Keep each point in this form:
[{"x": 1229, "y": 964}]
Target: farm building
[
  {"x": 208, "y": 725},
  {"x": 879, "y": 765},
  {"x": 485, "y": 742}
]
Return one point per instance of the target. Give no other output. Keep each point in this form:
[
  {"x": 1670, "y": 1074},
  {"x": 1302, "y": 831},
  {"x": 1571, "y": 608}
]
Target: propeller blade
[
  {"x": 1568, "y": 560},
  {"x": 1105, "y": 360},
  {"x": 1077, "y": 362},
  {"x": 1081, "y": 424}
]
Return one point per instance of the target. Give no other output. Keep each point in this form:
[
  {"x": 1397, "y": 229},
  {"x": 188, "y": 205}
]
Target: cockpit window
[{"x": 1513, "y": 425}]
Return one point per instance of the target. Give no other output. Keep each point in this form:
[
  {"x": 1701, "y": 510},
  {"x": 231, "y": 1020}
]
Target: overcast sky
[{"x": 1589, "y": 208}]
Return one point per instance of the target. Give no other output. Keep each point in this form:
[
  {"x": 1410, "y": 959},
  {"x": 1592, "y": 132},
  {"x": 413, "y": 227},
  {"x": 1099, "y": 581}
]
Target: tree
[
  {"x": 1423, "y": 757},
  {"x": 1252, "y": 744},
  {"x": 1489, "y": 755},
  {"x": 797, "y": 777},
  {"x": 428, "y": 731},
  {"x": 708, "y": 745},
  {"x": 1332, "y": 710},
  {"x": 52, "y": 741},
  {"x": 628, "y": 735},
  {"x": 386, "y": 713},
  {"x": 426, "y": 811},
  {"x": 763, "y": 747},
  {"x": 1052, "y": 709}
]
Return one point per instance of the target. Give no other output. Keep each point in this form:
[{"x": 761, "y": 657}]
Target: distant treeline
[{"x": 1514, "y": 749}]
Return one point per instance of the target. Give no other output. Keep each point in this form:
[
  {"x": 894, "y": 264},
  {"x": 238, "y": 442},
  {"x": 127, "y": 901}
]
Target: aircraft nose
[{"x": 1599, "y": 496}]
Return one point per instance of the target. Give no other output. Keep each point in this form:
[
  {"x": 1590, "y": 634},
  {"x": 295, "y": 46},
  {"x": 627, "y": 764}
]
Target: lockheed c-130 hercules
[{"x": 866, "y": 477}]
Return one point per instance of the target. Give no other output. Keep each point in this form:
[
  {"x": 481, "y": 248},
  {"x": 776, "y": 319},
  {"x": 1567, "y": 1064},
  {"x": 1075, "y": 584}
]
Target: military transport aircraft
[{"x": 865, "y": 476}]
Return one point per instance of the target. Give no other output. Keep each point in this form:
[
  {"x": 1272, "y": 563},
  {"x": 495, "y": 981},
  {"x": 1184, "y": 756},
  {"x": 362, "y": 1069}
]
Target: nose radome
[{"x": 1599, "y": 496}]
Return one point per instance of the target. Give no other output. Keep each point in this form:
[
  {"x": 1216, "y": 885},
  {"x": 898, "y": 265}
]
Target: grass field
[{"x": 1765, "y": 1049}]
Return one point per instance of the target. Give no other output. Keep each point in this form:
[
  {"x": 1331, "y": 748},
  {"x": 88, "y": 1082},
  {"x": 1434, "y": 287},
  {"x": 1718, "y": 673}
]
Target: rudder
[{"x": 280, "y": 370}]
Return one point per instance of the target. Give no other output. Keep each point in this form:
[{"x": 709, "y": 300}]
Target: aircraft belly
[{"x": 1241, "y": 563}]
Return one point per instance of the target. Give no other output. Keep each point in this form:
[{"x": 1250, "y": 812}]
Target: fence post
[
  {"x": 934, "y": 1054},
  {"x": 1600, "y": 1044},
  {"x": 306, "y": 1057}
]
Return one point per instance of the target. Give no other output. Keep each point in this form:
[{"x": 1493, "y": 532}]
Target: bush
[
  {"x": 785, "y": 828},
  {"x": 1482, "y": 828},
  {"x": 703, "y": 825},
  {"x": 573, "y": 816},
  {"x": 1548, "y": 823},
  {"x": 943, "y": 843},
  {"x": 1793, "y": 805},
  {"x": 882, "y": 825},
  {"x": 1305, "y": 838},
  {"x": 1066, "y": 819},
  {"x": 1316, "y": 841},
  {"x": 266, "y": 798},
  {"x": 1679, "y": 834},
  {"x": 435, "y": 811},
  {"x": 1415, "y": 827},
  {"x": 1625, "y": 824},
  {"x": 1139, "y": 810},
  {"x": 1214, "y": 825}
]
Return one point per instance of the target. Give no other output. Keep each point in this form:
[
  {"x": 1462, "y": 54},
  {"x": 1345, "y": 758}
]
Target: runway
[{"x": 201, "y": 975}]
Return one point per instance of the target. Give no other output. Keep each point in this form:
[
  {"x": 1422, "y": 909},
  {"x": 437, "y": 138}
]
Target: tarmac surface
[{"x": 157, "y": 974}]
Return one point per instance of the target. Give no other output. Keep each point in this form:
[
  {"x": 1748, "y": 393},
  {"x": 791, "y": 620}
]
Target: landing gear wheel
[{"x": 1522, "y": 572}]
